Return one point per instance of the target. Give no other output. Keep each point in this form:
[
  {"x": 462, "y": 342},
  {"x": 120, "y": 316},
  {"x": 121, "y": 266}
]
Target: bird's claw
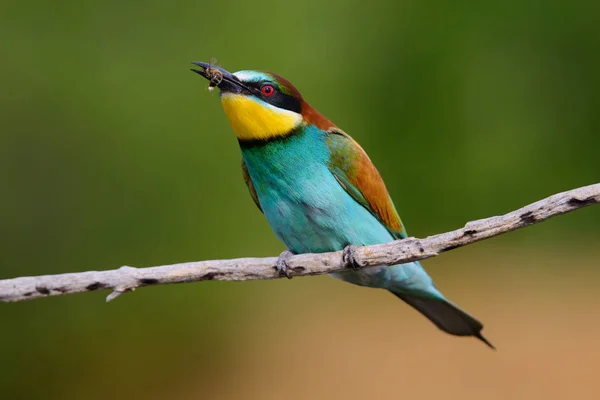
[
  {"x": 281, "y": 266},
  {"x": 349, "y": 258}
]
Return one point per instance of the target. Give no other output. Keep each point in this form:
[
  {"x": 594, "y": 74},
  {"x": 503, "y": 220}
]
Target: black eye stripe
[
  {"x": 285, "y": 101},
  {"x": 277, "y": 99}
]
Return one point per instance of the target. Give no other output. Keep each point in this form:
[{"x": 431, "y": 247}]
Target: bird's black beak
[{"x": 221, "y": 78}]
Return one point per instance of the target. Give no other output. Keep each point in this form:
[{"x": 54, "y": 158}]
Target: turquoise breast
[
  {"x": 301, "y": 199},
  {"x": 311, "y": 212}
]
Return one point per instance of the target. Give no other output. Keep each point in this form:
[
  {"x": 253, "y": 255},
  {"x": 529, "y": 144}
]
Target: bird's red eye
[{"x": 267, "y": 90}]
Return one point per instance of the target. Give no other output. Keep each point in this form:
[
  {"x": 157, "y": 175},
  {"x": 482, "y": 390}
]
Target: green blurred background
[{"x": 112, "y": 153}]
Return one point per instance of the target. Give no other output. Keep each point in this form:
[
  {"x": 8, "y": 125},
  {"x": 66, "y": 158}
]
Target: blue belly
[
  {"x": 303, "y": 202},
  {"x": 311, "y": 212}
]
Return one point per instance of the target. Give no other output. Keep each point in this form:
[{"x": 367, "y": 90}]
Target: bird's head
[{"x": 261, "y": 105}]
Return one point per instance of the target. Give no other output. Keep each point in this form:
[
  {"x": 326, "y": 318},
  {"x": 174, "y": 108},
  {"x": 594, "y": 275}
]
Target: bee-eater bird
[{"x": 319, "y": 190}]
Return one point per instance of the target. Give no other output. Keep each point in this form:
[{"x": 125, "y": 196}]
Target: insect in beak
[{"x": 213, "y": 75}]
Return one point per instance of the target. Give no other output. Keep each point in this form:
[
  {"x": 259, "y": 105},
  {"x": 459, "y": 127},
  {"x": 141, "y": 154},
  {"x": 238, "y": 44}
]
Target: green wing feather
[
  {"x": 358, "y": 176},
  {"x": 355, "y": 172},
  {"x": 250, "y": 185}
]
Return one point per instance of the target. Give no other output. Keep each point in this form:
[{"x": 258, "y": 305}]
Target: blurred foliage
[{"x": 112, "y": 153}]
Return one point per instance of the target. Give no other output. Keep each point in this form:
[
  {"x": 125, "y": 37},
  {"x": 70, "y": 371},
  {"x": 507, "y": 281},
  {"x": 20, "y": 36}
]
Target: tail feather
[{"x": 446, "y": 316}]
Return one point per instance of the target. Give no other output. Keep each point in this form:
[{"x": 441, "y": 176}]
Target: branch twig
[{"x": 401, "y": 251}]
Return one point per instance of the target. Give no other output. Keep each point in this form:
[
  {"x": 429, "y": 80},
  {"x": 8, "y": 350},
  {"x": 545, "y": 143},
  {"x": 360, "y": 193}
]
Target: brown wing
[
  {"x": 358, "y": 176},
  {"x": 250, "y": 185}
]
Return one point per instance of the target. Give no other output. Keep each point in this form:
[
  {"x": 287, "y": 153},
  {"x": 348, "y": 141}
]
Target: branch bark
[{"x": 401, "y": 251}]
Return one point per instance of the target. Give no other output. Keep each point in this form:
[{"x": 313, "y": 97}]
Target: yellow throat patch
[{"x": 252, "y": 120}]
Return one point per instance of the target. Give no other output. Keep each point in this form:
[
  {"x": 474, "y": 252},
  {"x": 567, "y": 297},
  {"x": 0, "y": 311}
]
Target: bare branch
[{"x": 401, "y": 251}]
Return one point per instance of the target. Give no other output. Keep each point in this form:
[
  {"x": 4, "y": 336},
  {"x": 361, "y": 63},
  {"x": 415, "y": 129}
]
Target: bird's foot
[
  {"x": 349, "y": 258},
  {"x": 281, "y": 266}
]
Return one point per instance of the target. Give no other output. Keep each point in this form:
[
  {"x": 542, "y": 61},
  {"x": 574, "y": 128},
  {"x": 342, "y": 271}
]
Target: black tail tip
[{"x": 479, "y": 336}]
